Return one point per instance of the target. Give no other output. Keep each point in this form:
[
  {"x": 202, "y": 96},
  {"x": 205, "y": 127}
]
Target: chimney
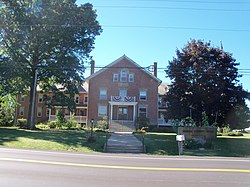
[
  {"x": 155, "y": 69},
  {"x": 92, "y": 67}
]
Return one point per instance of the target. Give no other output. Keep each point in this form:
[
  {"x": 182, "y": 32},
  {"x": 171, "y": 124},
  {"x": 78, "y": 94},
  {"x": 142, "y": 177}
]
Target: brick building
[{"x": 119, "y": 93}]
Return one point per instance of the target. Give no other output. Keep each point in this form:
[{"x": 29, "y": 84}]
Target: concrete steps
[{"x": 124, "y": 143}]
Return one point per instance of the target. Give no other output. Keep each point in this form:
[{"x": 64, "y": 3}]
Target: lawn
[
  {"x": 165, "y": 144},
  {"x": 156, "y": 143},
  {"x": 65, "y": 140}
]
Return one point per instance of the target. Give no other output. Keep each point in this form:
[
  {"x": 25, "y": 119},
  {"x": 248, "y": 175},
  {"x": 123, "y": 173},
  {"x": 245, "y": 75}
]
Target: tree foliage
[
  {"x": 50, "y": 37},
  {"x": 8, "y": 106},
  {"x": 205, "y": 79}
]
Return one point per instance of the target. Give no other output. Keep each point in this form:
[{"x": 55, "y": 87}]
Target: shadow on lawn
[{"x": 70, "y": 138}]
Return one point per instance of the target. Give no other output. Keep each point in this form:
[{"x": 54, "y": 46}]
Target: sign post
[{"x": 180, "y": 139}]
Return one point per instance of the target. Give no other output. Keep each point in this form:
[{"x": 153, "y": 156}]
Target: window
[
  {"x": 143, "y": 111},
  {"x": 131, "y": 78},
  {"x": 123, "y": 92},
  {"x": 22, "y": 98},
  {"x": 115, "y": 78},
  {"x": 143, "y": 95},
  {"x": 77, "y": 99},
  {"x": 103, "y": 94},
  {"x": 39, "y": 111},
  {"x": 102, "y": 110},
  {"x": 124, "y": 75},
  {"x": 86, "y": 100},
  {"x": 21, "y": 111},
  {"x": 40, "y": 98}
]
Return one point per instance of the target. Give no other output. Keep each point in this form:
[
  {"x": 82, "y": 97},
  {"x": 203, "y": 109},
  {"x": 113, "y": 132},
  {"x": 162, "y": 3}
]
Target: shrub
[
  {"x": 52, "y": 124},
  {"x": 60, "y": 118},
  {"x": 71, "y": 123},
  {"x": 142, "y": 122},
  {"x": 139, "y": 131},
  {"x": 226, "y": 129},
  {"x": 42, "y": 126},
  {"x": 235, "y": 134},
  {"x": 102, "y": 125},
  {"x": 22, "y": 123}
]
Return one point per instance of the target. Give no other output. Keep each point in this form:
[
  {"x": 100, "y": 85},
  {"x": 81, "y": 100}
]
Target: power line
[
  {"x": 177, "y": 28},
  {"x": 170, "y": 8},
  {"x": 191, "y": 1}
]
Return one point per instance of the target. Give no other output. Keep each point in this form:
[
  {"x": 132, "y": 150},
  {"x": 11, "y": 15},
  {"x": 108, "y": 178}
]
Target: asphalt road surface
[{"x": 35, "y": 168}]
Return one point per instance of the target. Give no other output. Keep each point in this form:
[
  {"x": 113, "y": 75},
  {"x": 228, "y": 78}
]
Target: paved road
[{"x": 26, "y": 168}]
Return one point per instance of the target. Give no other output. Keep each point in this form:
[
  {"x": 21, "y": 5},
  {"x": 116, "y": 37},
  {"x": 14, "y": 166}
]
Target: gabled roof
[{"x": 117, "y": 61}]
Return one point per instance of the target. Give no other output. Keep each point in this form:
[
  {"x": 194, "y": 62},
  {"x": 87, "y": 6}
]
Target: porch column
[
  {"x": 49, "y": 114},
  {"x": 111, "y": 111},
  {"x": 134, "y": 112}
]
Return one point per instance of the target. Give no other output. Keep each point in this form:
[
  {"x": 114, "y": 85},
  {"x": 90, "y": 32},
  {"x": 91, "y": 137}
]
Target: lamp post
[{"x": 92, "y": 125}]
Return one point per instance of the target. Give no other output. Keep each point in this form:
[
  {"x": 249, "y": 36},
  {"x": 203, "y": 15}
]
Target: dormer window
[{"x": 124, "y": 75}]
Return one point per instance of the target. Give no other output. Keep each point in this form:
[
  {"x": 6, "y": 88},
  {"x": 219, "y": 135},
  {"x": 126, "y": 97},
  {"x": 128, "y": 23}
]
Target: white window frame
[
  {"x": 131, "y": 77},
  {"x": 39, "y": 112},
  {"x": 102, "y": 110},
  {"x": 124, "y": 74},
  {"x": 21, "y": 111},
  {"x": 77, "y": 99},
  {"x": 145, "y": 113},
  {"x": 115, "y": 77},
  {"x": 40, "y": 98},
  {"x": 143, "y": 97},
  {"x": 103, "y": 94}
]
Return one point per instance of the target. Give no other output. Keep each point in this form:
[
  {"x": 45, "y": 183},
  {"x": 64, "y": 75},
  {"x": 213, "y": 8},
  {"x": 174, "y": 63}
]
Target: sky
[{"x": 149, "y": 31}]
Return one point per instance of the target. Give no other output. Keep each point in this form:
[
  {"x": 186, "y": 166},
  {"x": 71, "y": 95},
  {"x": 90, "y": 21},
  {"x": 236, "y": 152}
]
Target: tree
[
  {"x": 8, "y": 105},
  {"x": 205, "y": 79},
  {"x": 45, "y": 42}
]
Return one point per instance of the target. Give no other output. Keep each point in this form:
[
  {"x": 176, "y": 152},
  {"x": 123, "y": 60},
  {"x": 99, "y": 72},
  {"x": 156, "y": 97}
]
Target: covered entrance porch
[{"x": 122, "y": 113}]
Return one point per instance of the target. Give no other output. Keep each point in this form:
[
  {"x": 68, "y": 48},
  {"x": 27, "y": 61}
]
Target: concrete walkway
[{"x": 124, "y": 143}]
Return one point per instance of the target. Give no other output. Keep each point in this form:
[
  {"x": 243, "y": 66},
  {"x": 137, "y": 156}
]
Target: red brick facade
[{"x": 123, "y": 90}]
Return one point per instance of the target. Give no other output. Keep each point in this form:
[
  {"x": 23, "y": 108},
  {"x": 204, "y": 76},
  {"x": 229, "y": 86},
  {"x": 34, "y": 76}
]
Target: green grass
[
  {"x": 165, "y": 144},
  {"x": 156, "y": 143},
  {"x": 65, "y": 140},
  {"x": 160, "y": 143}
]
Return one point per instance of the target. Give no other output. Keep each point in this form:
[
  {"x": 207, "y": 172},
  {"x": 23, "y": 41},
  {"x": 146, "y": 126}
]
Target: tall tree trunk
[{"x": 32, "y": 102}]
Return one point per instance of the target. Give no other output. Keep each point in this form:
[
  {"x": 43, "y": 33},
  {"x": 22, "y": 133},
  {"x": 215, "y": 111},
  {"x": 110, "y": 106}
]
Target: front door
[{"x": 122, "y": 113}]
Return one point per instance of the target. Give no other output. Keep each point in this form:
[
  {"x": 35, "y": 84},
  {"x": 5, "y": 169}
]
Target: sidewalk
[{"x": 124, "y": 143}]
